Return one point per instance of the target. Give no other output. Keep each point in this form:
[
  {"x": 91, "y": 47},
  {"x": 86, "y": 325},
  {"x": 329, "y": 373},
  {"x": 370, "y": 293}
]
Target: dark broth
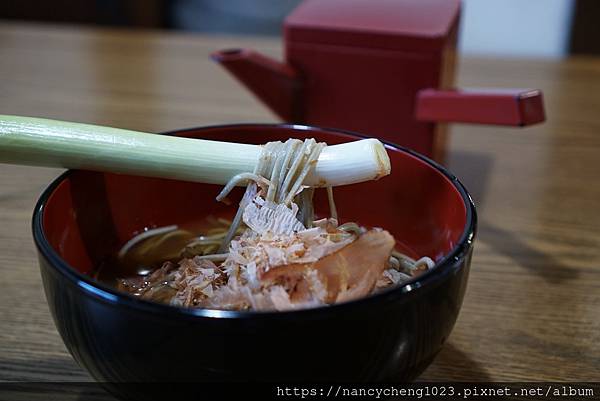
[{"x": 132, "y": 264}]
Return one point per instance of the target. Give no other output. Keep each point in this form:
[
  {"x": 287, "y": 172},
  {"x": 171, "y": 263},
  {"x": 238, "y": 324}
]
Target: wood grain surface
[{"x": 532, "y": 308}]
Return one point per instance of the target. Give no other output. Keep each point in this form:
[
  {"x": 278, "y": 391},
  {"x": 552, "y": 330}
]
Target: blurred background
[{"x": 536, "y": 28}]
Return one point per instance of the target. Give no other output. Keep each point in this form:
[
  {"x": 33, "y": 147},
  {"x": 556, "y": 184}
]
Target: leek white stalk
[{"x": 50, "y": 143}]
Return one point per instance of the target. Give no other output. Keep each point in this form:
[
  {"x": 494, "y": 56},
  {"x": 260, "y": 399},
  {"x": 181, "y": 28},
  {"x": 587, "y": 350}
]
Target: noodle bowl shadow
[{"x": 391, "y": 336}]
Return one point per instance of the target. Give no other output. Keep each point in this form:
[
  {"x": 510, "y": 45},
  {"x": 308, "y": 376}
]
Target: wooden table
[{"x": 532, "y": 308}]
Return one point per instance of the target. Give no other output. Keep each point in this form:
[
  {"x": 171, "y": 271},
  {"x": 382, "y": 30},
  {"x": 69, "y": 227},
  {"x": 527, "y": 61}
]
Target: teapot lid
[{"x": 408, "y": 25}]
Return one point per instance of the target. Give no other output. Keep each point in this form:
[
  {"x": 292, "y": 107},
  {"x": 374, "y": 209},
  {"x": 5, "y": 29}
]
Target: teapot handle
[{"x": 515, "y": 107}]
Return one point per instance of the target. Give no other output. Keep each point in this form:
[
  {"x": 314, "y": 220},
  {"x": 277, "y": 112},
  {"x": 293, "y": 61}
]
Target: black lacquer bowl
[{"x": 393, "y": 336}]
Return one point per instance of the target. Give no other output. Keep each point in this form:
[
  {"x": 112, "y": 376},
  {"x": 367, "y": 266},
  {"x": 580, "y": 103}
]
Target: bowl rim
[{"x": 108, "y": 294}]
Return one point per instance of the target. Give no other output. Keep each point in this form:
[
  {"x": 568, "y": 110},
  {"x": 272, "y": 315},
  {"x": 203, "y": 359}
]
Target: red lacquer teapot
[{"x": 380, "y": 67}]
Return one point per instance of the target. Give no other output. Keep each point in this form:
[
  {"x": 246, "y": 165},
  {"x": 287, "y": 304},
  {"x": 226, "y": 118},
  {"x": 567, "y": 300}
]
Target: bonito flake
[{"x": 277, "y": 264}]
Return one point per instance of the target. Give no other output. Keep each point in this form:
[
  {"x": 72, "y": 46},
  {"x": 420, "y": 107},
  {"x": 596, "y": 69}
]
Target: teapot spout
[{"x": 276, "y": 84}]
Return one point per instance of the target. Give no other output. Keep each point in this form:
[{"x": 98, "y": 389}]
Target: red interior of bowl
[{"x": 90, "y": 215}]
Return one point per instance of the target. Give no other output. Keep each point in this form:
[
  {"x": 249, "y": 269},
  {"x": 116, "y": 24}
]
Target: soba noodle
[{"x": 272, "y": 254}]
